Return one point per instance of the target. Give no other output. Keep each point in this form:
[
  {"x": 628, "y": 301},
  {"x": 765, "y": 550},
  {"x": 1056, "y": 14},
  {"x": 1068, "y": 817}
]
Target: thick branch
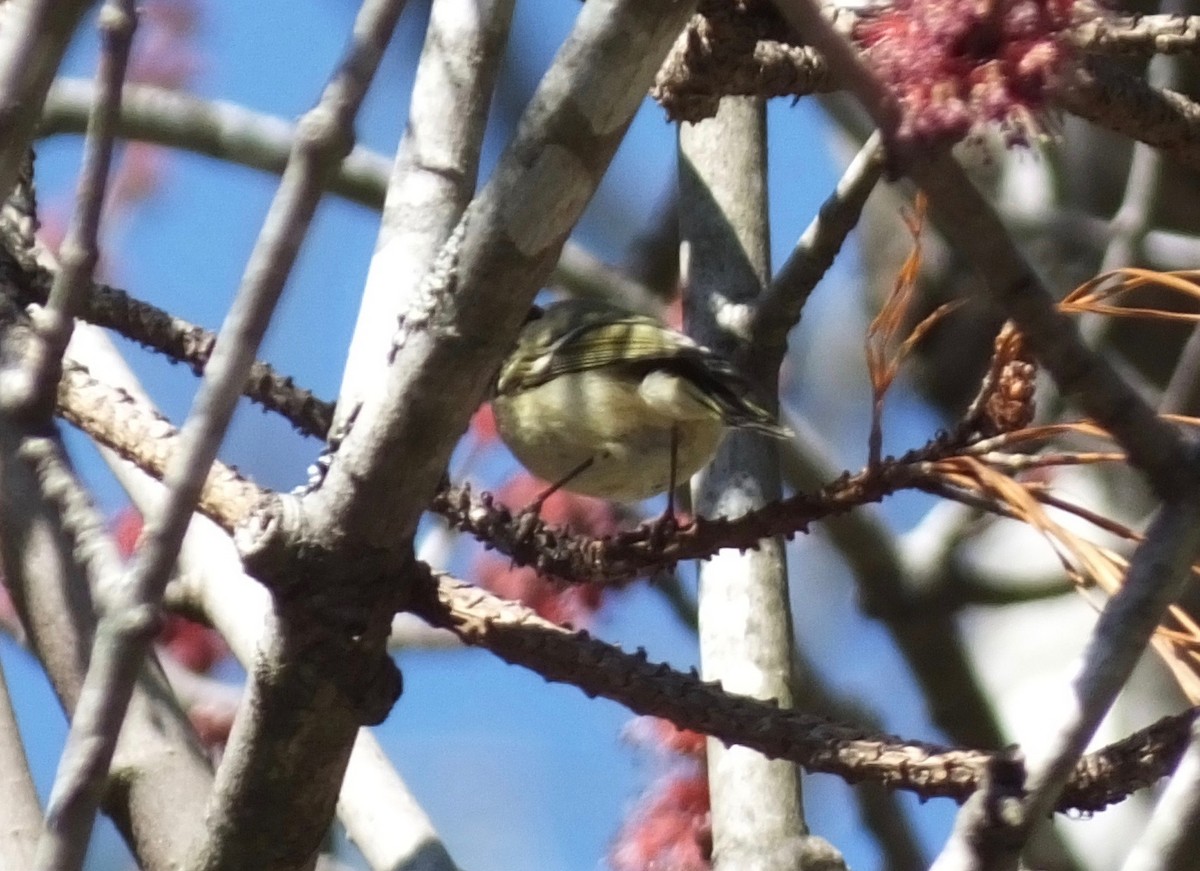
[
  {"x": 744, "y": 614},
  {"x": 1112, "y": 98},
  {"x": 519, "y": 636},
  {"x": 433, "y": 178}
]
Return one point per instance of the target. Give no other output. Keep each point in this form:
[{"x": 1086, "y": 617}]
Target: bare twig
[
  {"x": 779, "y": 309},
  {"x": 71, "y": 808},
  {"x": 226, "y": 131},
  {"x": 176, "y": 338},
  {"x": 234, "y": 133},
  {"x": 50, "y": 532},
  {"x": 80, "y": 249}
]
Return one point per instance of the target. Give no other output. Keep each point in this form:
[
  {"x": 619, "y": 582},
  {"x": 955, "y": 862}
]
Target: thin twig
[
  {"x": 122, "y": 423},
  {"x": 779, "y": 309},
  {"x": 50, "y": 531},
  {"x": 226, "y": 131},
  {"x": 177, "y": 339},
  {"x": 231, "y": 132},
  {"x": 80, "y": 249},
  {"x": 71, "y": 808}
]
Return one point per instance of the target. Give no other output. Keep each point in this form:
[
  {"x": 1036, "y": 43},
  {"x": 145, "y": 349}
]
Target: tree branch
[
  {"x": 1123, "y": 103},
  {"x": 433, "y": 178},
  {"x": 1171, "y": 840},
  {"x": 744, "y": 615},
  {"x": 33, "y": 39},
  {"x": 517, "y": 635},
  {"x": 225, "y": 131},
  {"x": 780, "y": 307},
  {"x": 161, "y": 776}
]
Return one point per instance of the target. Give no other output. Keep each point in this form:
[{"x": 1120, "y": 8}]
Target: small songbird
[{"x": 613, "y": 404}]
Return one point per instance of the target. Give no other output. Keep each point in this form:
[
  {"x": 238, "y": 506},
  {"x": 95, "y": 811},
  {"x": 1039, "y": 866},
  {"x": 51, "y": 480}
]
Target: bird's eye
[{"x": 535, "y": 314}]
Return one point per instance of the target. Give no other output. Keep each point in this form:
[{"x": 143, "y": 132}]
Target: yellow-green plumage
[{"x": 591, "y": 381}]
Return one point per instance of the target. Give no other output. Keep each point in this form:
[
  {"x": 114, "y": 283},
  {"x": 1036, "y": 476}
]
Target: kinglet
[{"x": 595, "y": 399}]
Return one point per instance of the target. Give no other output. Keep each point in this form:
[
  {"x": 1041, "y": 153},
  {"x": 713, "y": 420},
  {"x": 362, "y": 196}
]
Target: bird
[{"x": 608, "y": 403}]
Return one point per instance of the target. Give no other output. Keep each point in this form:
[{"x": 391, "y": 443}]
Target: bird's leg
[
  {"x": 667, "y": 523},
  {"x": 566, "y": 479},
  {"x": 674, "y": 472},
  {"x": 528, "y": 516}
]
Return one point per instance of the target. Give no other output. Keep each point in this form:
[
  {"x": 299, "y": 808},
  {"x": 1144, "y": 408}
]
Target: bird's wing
[{"x": 630, "y": 341}]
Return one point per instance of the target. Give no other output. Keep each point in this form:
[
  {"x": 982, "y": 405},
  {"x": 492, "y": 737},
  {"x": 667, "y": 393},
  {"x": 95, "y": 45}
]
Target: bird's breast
[{"x": 623, "y": 425}]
